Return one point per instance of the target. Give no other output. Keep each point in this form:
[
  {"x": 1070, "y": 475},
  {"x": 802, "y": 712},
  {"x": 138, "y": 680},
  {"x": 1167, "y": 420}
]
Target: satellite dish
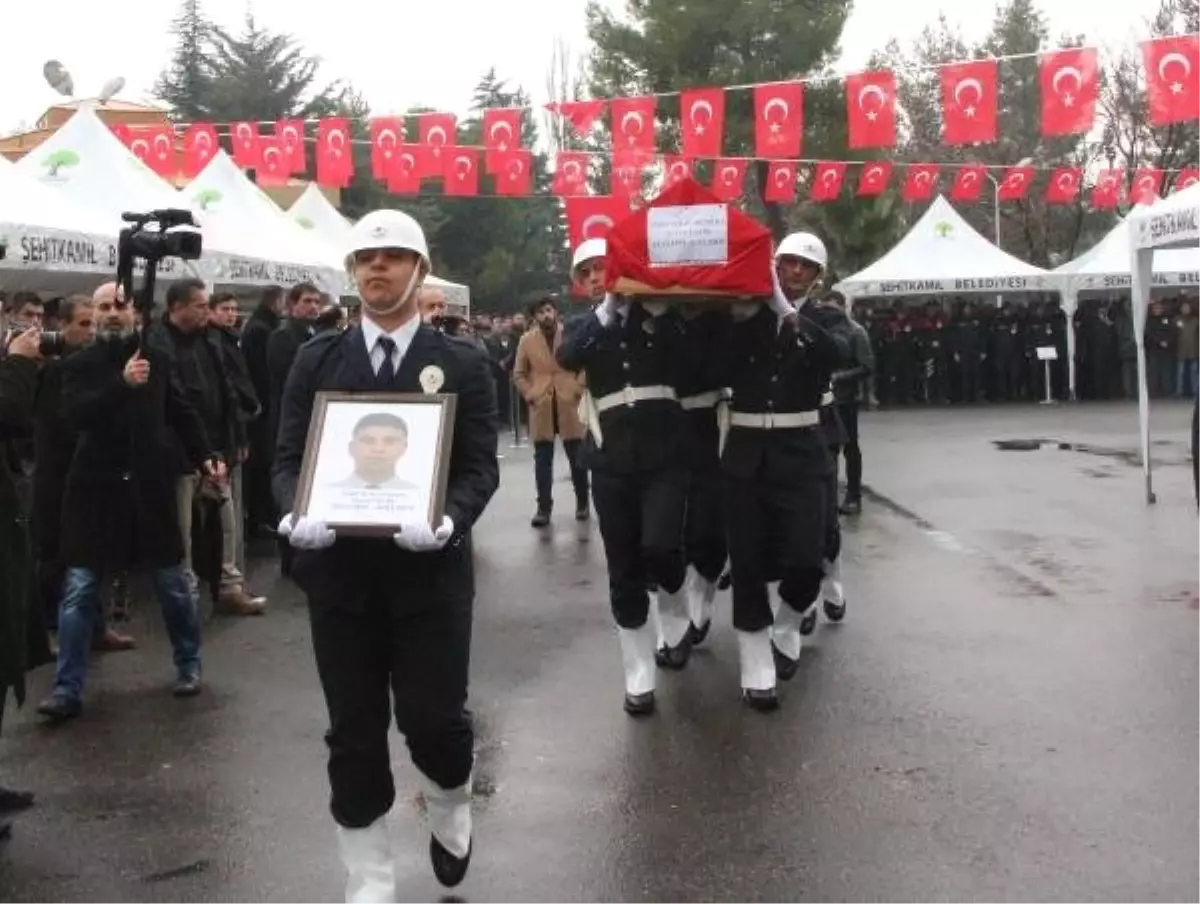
[
  {"x": 58, "y": 78},
  {"x": 111, "y": 88}
]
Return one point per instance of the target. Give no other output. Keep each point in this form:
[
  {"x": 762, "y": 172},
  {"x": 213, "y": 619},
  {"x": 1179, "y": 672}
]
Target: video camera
[{"x": 136, "y": 242}]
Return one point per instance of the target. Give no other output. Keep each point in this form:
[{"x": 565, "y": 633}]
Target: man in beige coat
[{"x": 553, "y": 396}]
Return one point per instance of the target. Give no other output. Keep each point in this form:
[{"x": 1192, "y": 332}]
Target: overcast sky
[{"x": 421, "y": 51}]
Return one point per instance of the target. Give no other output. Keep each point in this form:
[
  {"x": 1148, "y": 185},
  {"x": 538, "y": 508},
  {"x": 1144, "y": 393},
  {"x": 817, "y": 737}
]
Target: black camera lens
[{"x": 53, "y": 344}]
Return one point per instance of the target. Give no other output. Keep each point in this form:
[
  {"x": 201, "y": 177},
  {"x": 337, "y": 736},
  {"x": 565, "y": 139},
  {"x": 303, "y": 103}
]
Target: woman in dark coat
[{"x": 18, "y": 388}]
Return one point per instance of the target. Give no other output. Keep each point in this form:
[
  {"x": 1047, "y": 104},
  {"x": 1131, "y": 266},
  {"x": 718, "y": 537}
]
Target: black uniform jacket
[
  {"x": 776, "y": 371},
  {"x": 339, "y": 361},
  {"x": 644, "y": 351}
]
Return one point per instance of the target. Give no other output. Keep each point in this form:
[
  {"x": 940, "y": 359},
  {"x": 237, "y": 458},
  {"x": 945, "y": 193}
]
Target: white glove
[
  {"x": 607, "y": 310},
  {"x": 779, "y": 303},
  {"x": 306, "y": 533},
  {"x": 418, "y": 536},
  {"x": 656, "y": 308}
]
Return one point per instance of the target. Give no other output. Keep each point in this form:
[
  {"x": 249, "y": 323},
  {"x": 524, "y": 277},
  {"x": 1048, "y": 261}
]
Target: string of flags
[{"x": 1069, "y": 81}]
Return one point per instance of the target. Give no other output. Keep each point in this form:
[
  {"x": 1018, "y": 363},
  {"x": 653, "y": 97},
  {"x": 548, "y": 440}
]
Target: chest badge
[
  {"x": 648, "y": 326},
  {"x": 432, "y": 379}
]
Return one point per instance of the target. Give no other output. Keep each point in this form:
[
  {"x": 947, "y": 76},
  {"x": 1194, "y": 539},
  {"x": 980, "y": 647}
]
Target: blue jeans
[
  {"x": 79, "y": 613},
  {"x": 1186, "y": 377}
]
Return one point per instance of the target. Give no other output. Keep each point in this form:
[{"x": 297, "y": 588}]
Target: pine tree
[{"x": 186, "y": 84}]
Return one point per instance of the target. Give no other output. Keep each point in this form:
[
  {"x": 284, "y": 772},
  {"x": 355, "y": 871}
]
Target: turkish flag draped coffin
[{"x": 687, "y": 242}]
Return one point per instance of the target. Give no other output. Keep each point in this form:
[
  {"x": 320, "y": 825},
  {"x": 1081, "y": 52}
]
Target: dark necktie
[{"x": 386, "y": 375}]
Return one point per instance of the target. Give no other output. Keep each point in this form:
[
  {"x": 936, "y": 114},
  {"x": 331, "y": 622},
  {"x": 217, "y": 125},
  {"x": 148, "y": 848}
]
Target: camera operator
[
  {"x": 18, "y": 384},
  {"x": 23, "y": 311},
  {"x": 54, "y": 446},
  {"x": 196, "y": 357},
  {"x": 126, "y": 405}
]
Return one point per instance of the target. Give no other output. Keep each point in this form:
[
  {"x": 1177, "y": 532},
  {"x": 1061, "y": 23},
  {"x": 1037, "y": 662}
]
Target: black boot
[
  {"x": 639, "y": 704},
  {"x": 14, "y": 801},
  {"x": 450, "y": 870},
  {"x": 851, "y": 505},
  {"x": 764, "y": 701},
  {"x": 583, "y": 510},
  {"x": 542, "y": 518}
]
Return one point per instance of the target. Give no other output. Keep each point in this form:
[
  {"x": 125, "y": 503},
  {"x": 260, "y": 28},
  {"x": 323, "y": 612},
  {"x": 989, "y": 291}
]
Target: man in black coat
[
  {"x": 128, "y": 408},
  {"x": 262, "y": 322},
  {"x": 635, "y": 355},
  {"x": 391, "y": 616}
]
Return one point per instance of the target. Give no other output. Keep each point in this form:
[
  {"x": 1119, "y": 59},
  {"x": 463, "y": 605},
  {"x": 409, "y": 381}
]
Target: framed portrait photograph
[{"x": 373, "y": 461}]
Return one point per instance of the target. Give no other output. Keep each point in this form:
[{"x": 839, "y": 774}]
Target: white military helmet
[
  {"x": 387, "y": 229},
  {"x": 803, "y": 245},
  {"x": 587, "y": 250}
]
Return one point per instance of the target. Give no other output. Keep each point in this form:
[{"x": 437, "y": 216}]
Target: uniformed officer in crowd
[
  {"x": 391, "y": 617},
  {"x": 632, "y": 354},
  {"x": 778, "y": 363},
  {"x": 970, "y": 350}
]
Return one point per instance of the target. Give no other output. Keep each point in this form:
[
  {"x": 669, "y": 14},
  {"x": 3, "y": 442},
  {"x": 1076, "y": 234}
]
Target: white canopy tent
[
  {"x": 313, "y": 211},
  {"x": 943, "y": 255},
  {"x": 272, "y": 248},
  {"x": 49, "y": 242},
  {"x": 1173, "y": 223}
]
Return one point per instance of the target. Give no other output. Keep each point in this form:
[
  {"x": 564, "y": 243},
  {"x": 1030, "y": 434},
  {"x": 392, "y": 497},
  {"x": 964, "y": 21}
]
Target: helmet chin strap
[{"x": 392, "y": 309}]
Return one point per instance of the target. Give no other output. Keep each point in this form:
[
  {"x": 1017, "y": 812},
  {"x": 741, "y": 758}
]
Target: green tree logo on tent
[
  {"x": 207, "y": 197},
  {"x": 305, "y": 222},
  {"x": 943, "y": 229},
  {"x": 56, "y": 161}
]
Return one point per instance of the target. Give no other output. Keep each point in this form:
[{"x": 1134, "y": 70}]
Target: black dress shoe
[
  {"x": 186, "y": 686},
  {"x": 14, "y": 801},
  {"x": 583, "y": 512},
  {"x": 764, "y": 701},
  {"x": 450, "y": 870},
  {"x": 675, "y": 658},
  {"x": 59, "y": 709},
  {"x": 785, "y": 666},
  {"x": 851, "y": 505},
  {"x": 639, "y": 704},
  {"x": 541, "y": 519},
  {"x": 5, "y": 830},
  {"x": 699, "y": 634}
]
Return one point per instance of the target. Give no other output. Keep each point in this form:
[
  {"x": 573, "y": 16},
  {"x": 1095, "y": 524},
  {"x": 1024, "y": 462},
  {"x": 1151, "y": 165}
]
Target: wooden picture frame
[{"x": 366, "y": 480}]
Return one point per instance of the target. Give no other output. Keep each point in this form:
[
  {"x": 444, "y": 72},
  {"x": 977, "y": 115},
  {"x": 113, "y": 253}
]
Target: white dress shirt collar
[{"x": 402, "y": 336}]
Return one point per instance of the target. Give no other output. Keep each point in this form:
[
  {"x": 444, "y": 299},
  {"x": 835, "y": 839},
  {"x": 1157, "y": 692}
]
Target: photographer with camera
[{"x": 18, "y": 385}]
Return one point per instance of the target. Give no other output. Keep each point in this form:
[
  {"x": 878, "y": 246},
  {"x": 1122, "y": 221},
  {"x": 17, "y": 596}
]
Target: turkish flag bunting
[
  {"x": 874, "y": 178},
  {"x": 1106, "y": 193},
  {"x": 163, "y": 158},
  {"x": 1015, "y": 183},
  {"x": 871, "y": 109},
  {"x": 592, "y": 216},
  {"x": 243, "y": 141},
  {"x": 676, "y": 169},
  {"x": 1146, "y": 187},
  {"x": 920, "y": 179},
  {"x": 199, "y": 145},
  {"x": 1063, "y": 187},
  {"x": 461, "y": 172},
  {"x": 827, "y": 181},
  {"x": 778, "y": 119},
  {"x": 581, "y": 114},
  {"x": 123, "y": 132},
  {"x": 408, "y": 165},
  {"x": 387, "y": 134},
  {"x": 702, "y": 120},
  {"x": 274, "y": 167},
  {"x": 627, "y": 167},
  {"x": 969, "y": 101},
  {"x": 1186, "y": 178},
  {"x": 501, "y": 134},
  {"x": 290, "y": 133},
  {"x": 438, "y": 131},
  {"x": 781, "y": 182},
  {"x": 335, "y": 156},
  {"x": 968, "y": 183},
  {"x": 1172, "y": 79},
  {"x": 633, "y": 123},
  {"x": 570, "y": 173},
  {"x": 729, "y": 179},
  {"x": 513, "y": 174},
  {"x": 1070, "y": 85}
]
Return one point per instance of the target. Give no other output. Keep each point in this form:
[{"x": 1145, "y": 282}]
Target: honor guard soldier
[
  {"x": 391, "y": 617},
  {"x": 632, "y": 353},
  {"x": 777, "y": 466}
]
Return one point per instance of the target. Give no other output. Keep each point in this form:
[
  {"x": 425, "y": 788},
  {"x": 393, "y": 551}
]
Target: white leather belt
[
  {"x": 631, "y": 395},
  {"x": 770, "y": 421},
  {"x": 827, "y": 399},
  {"x": 704, "y": 399}
]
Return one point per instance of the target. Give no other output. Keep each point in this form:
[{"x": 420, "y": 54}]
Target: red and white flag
[
  {"x": 581, "y": 114},
  {"x": 243, "y": 140},
  {"x": 570, "y": 173},
  {"x": 874, "y": 178},
  {"x": 827, "y": 181},
  {"x": 437, "y": 131},
  {"x": 591, "y": 217},
  {"x": 290, "y": 133},
  {"x": 675, "y": 170},
  {"x": 387, "y": 135},
  {"x": 871, "y": 109},
  {"x": 274, "y": 167},
  {"x": 969, "y": 102},
  {"x": 501, "y": 134},
  {"x": 460, "y": 173},
  {"x": 335, "y": 154},
  {"x": 1106, "y": 193},
  {"x": 513, "y": 174},
  {"x": 1015, "y": 184},
  {"x": 778, "y": 119},
  {"x": 1186, "y": 178},
  {"x": 1172, "y": 79},
  {"x": 920, "y": 181},
  {"x": 702, "y": 121},
  {"x": 1146, "y": 187},
  {"x": 968, "y": 183},
  {"x": 1070, "y": 82},
  {"x": 409, "y": 165},
  {"x": 729, "y": 178},
  {"x": 626, "y": 178},
  {"x": 633, "y": 124},
  {"x": 200, "y": 144},
  {"x": 781, "y": 182},
  {"x": 1063, "y": 187}
]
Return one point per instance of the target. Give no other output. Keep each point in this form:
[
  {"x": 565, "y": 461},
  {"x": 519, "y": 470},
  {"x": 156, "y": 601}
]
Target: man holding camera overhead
[
  {"x": 127, "y": 407},
  {"x": 391, "y": 617}
]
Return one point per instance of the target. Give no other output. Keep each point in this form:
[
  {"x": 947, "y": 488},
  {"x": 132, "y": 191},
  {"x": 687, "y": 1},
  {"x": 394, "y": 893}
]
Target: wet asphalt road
[{"x": 1008, "y": 712}]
